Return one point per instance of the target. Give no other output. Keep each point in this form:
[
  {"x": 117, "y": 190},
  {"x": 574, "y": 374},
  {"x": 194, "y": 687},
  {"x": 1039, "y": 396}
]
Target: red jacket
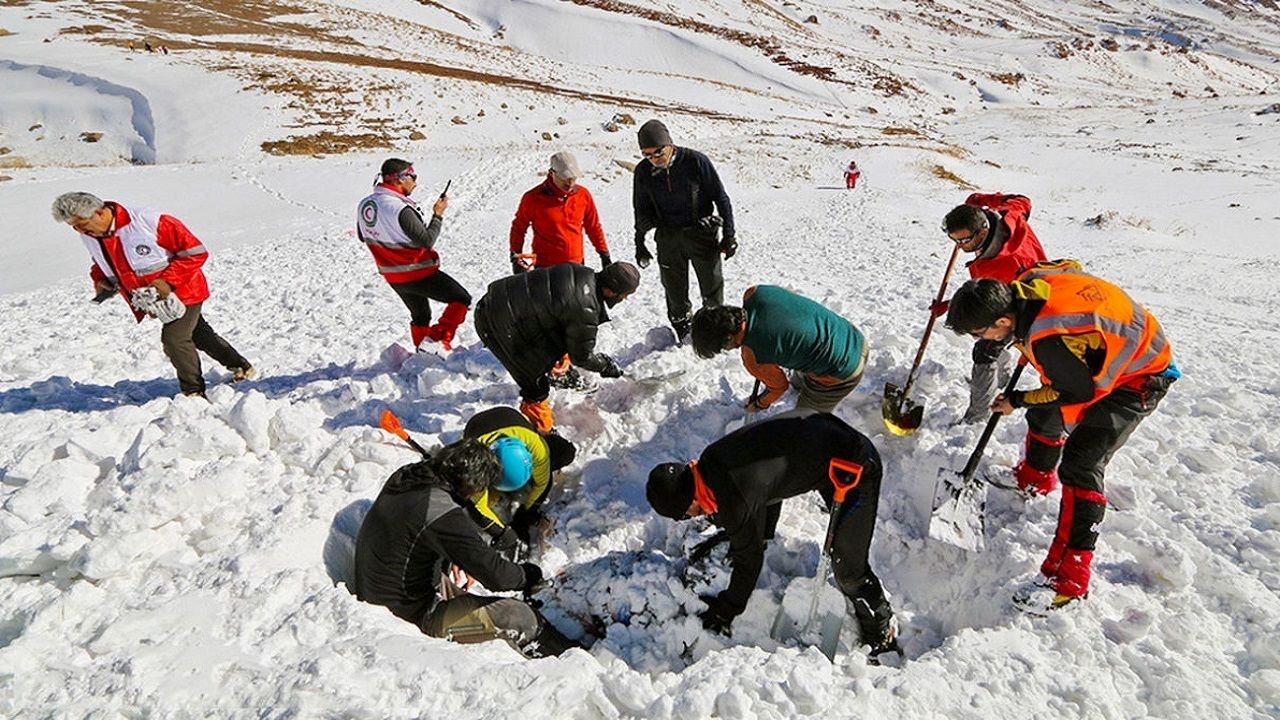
[
  {"x": 1022, "y": 248},
  {"x": 182, "y": 272},
  {"x": 558, "y": 220}
]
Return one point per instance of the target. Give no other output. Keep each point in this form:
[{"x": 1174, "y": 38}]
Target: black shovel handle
[{"x": 976, "y": 457}]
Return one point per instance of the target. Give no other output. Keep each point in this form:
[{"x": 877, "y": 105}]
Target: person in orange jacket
[
  {"x": 559, "y": 210},
  {"x": 403, "y": 247},
  {"x": 143, "y": 253},
  {"x": 1104, "y": 365}
]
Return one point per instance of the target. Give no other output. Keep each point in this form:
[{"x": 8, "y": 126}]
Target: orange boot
[
  {"x": 539, "y": 413},
  {"x": 419, "y": 333}
]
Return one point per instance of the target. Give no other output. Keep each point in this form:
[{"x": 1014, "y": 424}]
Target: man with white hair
[{"x": 154, "y": 262}]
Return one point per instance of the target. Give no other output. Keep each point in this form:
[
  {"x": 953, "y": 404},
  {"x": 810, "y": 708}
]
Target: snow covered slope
[{"x": 172, "y": 557}]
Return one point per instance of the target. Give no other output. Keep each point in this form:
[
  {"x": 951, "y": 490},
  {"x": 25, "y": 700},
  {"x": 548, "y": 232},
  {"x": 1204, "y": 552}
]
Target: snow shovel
[
  {"x": 845, "y": 476},
  {"x": 959, "y": 500},
  {"x": 901, "y": 416},
  {"x": 391, "y": 424}
]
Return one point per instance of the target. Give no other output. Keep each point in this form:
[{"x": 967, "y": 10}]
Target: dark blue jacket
[{"x": 679, "y": 195}]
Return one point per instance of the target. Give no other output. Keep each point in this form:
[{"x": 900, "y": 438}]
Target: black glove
[
  {"x": 533, "y": 581},
  {"x": 710, "y": 225},
  {"x": 605, "y": 260},
  {"x": 523, "y": 522},
  {"x": 516, "y": 266},
  {"x": 610, "y": 369},
  {"x": 506, "y": 542},
  {"x": 729, "y": 246},
  {"x": 643, "y": 258},
  {"x": 717, "y": 618}
]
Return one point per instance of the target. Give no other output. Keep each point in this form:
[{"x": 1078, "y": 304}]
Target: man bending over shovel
[
  {"x": 741, "y": 480},
  {"x": 1104, "y": 363}
]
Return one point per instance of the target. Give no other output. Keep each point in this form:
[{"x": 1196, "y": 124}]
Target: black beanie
[
  {"x": 621, "y": 277},
  {"x": 654, "y": 134},
  {"x": 670, "y": 490}
]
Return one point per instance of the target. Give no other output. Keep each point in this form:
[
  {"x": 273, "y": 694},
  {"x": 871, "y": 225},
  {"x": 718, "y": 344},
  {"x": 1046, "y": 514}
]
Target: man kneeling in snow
[
  {"x": 418, "y": 527},
  {"x": 742, "y": 479}
]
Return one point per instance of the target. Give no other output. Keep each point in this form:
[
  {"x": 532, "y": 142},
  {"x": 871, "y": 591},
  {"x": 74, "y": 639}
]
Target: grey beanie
[{"x": 654, "y": 134}]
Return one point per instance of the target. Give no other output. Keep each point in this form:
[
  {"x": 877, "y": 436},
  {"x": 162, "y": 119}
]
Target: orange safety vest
[{"x": 1080, "y": 303}]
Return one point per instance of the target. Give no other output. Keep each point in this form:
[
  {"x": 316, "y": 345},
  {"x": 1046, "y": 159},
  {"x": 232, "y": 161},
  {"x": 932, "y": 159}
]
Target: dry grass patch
[
  {"x": 894, "y": 130},
  {"x": 944, "y": 174},
  {"x": 325, "y": 143}
]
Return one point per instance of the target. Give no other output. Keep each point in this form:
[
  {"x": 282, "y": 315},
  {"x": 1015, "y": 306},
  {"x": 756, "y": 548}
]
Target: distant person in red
[
  {"x": 403, "y": 247},
  {"x": 994, "y": 227},
  {"x": 559, "y": 210},
  {"x": 851, "y": 175},
  {"x": 154, "y": 262}
]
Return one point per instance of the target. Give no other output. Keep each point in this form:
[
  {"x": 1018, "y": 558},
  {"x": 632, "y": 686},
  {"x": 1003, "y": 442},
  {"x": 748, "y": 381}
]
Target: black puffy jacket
[{"x": 536, "y": 317}]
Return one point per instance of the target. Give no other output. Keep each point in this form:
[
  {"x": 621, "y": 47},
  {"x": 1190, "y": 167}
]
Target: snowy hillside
[{"x": 173, "y": 557}]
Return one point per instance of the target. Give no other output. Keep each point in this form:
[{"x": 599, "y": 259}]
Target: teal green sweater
[{"x": 799, "y": 334}]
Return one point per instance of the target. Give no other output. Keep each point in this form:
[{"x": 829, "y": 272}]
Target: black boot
[
  {"x": 682, "y": 326},
  {"x": 877, "y": 627},
  {"x": 548, "y": 642}
]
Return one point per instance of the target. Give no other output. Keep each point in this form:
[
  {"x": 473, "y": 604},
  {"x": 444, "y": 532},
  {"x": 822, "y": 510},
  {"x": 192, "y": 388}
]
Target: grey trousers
[
  {"x": 185, "y": 338},
  {"x": 985, "y": 381}
]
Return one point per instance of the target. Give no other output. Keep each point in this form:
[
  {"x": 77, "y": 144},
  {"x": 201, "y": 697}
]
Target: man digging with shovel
[
  {"x": 1104, "y": 363},
  {"x": 741, "y": 480}
]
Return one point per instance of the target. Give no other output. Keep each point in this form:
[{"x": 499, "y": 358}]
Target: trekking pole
[
  {"x": 901, "y": 416},
  {"x": 842, "y": 484},
  {"x": 391, "y": 424}
]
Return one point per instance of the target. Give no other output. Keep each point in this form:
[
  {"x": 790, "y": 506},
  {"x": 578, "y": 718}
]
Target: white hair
[{"x": 72, "y": 205}]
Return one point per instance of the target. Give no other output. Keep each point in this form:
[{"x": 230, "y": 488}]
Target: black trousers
[
  {"x": 437, "y": 286},
  {"x": 854, "y": 529},
  {"x": 1104, "y": 429},
  {"x": 533, "y": 382},
  {"x": 677, "y": 249}
]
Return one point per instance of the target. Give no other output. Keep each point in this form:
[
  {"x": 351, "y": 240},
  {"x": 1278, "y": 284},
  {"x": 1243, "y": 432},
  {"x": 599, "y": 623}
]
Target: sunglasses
[
  {"x": 411, "y": 176},
  {"x": 654, "y": 154}
]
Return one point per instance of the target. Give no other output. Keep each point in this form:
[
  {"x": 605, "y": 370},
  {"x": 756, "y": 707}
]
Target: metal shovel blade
[
  {"x": 901, "y": 416},
  {"x": 959, "y": 511}
]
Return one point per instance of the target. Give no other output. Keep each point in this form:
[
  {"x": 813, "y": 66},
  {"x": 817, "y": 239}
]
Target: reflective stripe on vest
[
  {"x": 140, "y": 244},
  {"x": 1078, "y": 303}
]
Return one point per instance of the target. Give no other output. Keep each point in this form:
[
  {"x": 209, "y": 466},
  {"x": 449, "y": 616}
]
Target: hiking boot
[
  {"x": 1039, "y": 598},
  {"x": 573, "y": 380},
  {"x": 877, "y": 628},
  {"x": 539, "y": 413},
  {"x": 682, "y": 328},
  {"x": 1033, "y": 481},
  {"x": 240, "y": 374}
]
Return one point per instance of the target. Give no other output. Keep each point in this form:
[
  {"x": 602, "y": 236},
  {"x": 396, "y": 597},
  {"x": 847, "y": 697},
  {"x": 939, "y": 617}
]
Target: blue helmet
[{"x": 516, "y": 462}]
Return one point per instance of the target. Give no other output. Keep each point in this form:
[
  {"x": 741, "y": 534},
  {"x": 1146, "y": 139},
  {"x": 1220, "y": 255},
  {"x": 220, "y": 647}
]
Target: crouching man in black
[
  {"x": 419, "y": 526},
  {"x": 741, "y": 480}
]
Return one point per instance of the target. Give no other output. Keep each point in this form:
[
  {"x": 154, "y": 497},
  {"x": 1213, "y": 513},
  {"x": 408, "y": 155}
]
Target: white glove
[{"x": 147, "y": 300}]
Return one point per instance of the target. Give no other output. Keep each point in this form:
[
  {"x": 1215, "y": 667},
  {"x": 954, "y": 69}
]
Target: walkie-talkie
[{"x": 445, "y": 192}]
